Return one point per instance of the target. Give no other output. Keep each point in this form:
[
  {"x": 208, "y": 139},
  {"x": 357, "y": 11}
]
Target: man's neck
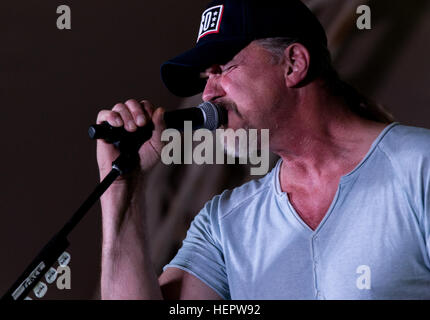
[{"x": 321, "y": 140}]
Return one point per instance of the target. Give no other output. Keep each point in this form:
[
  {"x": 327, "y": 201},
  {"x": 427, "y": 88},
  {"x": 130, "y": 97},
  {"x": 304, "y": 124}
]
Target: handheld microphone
[{"x": 206, "y": 115}]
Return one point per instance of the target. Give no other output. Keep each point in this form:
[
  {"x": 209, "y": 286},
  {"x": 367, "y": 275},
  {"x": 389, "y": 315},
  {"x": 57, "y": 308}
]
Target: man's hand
[{"x": 131, "y": 115}]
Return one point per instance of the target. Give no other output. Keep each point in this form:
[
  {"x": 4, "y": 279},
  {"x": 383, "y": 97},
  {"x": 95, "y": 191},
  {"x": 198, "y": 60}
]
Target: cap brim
[{"x": 181, "y": 75}]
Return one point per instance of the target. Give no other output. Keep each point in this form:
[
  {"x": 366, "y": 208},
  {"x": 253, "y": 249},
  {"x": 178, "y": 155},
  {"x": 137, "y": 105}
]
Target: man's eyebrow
[
  {"x": 234, "y": 60},
  {"x": 205, "y": 74}
]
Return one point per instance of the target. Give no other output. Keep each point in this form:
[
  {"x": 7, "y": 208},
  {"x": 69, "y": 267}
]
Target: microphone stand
[{"x": 128, "y": 145}]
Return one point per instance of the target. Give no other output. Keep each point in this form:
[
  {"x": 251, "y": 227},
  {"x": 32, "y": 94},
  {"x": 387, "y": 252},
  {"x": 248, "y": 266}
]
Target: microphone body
[{"x": 207, "y": 115}]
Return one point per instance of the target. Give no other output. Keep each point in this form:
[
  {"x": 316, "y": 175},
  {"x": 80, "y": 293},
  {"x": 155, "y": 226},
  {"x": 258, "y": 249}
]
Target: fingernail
[
  {"x": 131, "y": 125},
  {"x": 118, "y": 122},
  {"x": 140, "y": 120}
]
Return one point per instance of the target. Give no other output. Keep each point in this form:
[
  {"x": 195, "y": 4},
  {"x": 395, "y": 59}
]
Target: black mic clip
[
  {"x": 123, "y": 140},
  {"x": 128, "y": 143}
]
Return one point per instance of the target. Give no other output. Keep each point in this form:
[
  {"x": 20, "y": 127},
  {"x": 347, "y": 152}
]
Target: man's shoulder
[
  {"x": 407, "y": 149},
  {"x": 231, "y": 199},
  {"x": 406, "y": 142}
]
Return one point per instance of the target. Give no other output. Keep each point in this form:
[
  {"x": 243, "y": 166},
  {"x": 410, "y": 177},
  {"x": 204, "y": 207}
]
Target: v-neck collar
[{"x": 343, "y": 180}]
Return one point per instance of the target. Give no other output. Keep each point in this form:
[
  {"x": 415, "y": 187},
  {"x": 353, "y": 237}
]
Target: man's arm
[
  {"x": 127, "y": 269},
  {"x": 177, "y": 284}
]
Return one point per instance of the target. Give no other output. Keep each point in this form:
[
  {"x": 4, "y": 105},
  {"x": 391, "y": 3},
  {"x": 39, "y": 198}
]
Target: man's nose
[{"x": 213, "y": 88}]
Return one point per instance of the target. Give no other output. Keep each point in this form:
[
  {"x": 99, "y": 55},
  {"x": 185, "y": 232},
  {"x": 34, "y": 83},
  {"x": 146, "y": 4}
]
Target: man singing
[{"x": 343, "y": 215}]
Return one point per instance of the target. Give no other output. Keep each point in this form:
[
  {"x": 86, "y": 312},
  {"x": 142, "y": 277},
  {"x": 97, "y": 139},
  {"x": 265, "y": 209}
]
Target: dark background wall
[{"x": 53, "y": 83}]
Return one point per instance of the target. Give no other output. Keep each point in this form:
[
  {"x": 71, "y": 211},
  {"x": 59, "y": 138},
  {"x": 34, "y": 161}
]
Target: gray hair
[{"x": 322, "y": 67}]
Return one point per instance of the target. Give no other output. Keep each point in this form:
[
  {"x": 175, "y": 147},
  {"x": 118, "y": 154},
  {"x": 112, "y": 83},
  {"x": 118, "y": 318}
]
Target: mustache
[{"x": 229, "y": 106}]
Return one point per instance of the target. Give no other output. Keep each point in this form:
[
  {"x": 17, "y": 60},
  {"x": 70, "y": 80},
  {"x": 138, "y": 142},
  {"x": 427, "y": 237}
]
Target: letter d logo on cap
[{"x": 211, "y": 21}]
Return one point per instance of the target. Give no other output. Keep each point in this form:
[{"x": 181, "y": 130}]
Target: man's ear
[{"x": 297, "y": 60}]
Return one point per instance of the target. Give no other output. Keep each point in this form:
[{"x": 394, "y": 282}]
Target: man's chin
[
  {"x": 235, "y": 149},
  {"x": 233, "y": 125}
]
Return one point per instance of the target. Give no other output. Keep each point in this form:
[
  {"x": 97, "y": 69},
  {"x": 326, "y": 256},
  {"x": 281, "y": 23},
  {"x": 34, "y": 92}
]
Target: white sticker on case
[
  {"x": 64, "y": 259},
  {"x": 40, "y": 289},
  {"x": 51, "y": 275}
]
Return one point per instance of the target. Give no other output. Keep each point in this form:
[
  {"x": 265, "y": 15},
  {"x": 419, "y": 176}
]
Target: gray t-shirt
[{"x": 373, "y": 243}]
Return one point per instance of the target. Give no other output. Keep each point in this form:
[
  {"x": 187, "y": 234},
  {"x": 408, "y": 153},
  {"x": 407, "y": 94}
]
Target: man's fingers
[
  {"x": 112, "y": 117},
  {"x": 137, "y": 111},
  {"x": 127, "y": 117},
  {"x": 158, "y": 118},
  {"x": 148, "y": 107},
  {"x": 132, "y": 114}
]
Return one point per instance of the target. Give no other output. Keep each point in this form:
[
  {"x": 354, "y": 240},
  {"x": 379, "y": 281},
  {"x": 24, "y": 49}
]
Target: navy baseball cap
[{"x": 228, "y": 26}]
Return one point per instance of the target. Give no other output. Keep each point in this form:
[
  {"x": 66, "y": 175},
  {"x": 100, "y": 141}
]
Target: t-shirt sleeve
[
  {"x": 423, "y": 199},
  {"x": 201, "y": 253},
  {"x": 409, "y": 154},
  {"x": 417, "y": 180}
]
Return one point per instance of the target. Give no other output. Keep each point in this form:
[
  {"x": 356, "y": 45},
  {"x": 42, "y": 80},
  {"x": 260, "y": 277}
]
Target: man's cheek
[{"x": 234, "y": 122}]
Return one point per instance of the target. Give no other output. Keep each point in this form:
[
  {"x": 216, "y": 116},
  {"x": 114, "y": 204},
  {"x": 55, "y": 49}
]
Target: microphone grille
[{"x": 213, "y": 116}]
